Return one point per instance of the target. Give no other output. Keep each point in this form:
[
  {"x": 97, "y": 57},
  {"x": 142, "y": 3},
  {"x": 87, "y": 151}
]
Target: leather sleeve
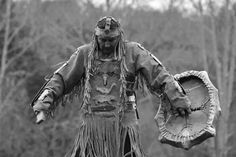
[
  {"x": 67, "y": 76},
  {"x": 158, "y": 78}
]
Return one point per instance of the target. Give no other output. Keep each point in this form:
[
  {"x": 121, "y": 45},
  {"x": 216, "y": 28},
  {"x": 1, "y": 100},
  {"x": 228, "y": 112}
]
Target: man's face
[{"x": 107, "y": 44}]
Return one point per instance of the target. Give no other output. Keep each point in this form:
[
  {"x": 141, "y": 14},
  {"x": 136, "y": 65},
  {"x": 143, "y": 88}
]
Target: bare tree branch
[
  {"x": 63, "y": 32},
  {"x": 78, "y": 31},
  {"x": 5, "y": 47},
  {"x": 2, "y": 24},
  {"x": 17, "y": 30},
  {"x": 16, "y": 87},
  {"x": 232, "y": 64},
  {"x": 226, "y": 43},
  {"x": 24, "y": 50},
  {"x": 197, "y": 6}
]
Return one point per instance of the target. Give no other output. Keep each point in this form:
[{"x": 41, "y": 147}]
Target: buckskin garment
[{"x": 110, "y": 122}]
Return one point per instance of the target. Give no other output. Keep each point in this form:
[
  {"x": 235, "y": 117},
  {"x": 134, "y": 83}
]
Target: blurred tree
[
  {"x": 18, "y": 63},
  {"x": 199, "y": 7},
  {"x": 222, "y": 36},
  {"x": 18, "y": 39},
  {"x": 224, "y": 59},
  {"x": 42, "y": 33}
]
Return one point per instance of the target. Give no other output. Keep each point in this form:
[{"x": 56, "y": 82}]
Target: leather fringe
[{"x": 105, "y": 137}]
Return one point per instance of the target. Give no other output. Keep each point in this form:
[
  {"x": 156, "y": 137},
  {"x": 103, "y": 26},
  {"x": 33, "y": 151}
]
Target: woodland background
[{"x": 36, "y": 35}]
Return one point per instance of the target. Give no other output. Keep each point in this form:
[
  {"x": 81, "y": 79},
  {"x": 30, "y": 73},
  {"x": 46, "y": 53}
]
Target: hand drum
[{"x": 193, "y": 129}]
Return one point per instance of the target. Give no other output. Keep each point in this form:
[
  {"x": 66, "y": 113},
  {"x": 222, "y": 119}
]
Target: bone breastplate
[{"x": 105, "y": 86}]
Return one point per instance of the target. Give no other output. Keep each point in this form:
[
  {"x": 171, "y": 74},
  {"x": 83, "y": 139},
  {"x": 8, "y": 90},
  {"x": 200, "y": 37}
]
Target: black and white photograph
[{"x": 117, "y": 78}]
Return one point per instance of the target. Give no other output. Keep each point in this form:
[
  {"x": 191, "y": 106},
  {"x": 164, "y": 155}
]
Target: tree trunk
[
  {"x": 5, "y": 48},
  {"x": 203, "y": 48},
  {"x": 225, "y": 77}
]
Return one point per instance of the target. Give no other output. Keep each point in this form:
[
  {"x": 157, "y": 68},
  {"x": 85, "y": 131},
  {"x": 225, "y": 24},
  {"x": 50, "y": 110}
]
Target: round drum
[{"x": 185, "y": 132}]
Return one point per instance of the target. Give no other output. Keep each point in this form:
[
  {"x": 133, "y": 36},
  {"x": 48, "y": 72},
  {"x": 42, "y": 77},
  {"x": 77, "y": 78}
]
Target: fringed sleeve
[
  {"x": 58, "y": 88},
  {"x": 66, "y": 82},
  {"x": 157, "y": 78}
]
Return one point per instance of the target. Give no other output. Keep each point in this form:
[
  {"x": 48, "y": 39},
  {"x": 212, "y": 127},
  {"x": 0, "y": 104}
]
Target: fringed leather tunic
[{"x": 109, "y": 116}]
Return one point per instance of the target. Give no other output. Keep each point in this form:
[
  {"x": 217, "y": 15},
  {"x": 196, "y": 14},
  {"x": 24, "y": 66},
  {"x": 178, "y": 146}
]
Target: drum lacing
[{"x": 203, "y": 104}]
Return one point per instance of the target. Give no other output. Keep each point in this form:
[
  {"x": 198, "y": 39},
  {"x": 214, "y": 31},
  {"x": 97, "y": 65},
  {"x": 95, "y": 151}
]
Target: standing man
[{"x": 108, "y": 70}]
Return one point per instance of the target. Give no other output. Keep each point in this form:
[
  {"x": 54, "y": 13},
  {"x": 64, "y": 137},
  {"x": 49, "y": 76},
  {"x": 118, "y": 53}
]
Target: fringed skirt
[{"x": 108, "y": 136}]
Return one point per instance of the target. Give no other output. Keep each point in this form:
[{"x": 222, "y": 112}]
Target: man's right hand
[
  {"x": 40, "y": 117},
  {"x": 42, "y": 105},
  {"x": 40, "y": 108}
]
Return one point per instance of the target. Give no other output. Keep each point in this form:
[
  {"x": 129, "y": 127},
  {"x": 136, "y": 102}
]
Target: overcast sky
[
  {"x": 156, "y": 4},
  {"x": 153, "y": 3},
  {"x": 160, "y": 4}
]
